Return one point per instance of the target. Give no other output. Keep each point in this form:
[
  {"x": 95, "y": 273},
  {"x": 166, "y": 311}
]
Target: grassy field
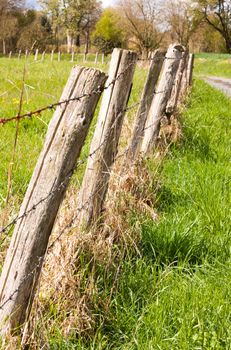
[
  {"x": 213, "y": 64},
  {"x": 173, "y": 291},
  {"x": 44, "y": 82}
]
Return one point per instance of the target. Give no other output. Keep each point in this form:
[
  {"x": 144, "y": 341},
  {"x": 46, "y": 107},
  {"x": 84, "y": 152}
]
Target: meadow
[
  {"x": 173, "y": 291},
  {"x": 213, "y": 64}
]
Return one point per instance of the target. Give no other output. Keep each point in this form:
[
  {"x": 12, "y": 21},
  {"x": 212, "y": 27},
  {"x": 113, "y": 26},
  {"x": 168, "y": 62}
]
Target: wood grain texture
[
  {"x": 106, "y": 137},
  {"x": 159, "y": 103},
  {"x": 65, "y": 137},
  {"x": 146, "y": 101},
  {"x": 173, "y": 101}
]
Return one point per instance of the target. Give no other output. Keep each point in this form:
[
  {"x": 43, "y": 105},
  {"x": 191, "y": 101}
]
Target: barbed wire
[
  {"x": 58, "y": 238},
  {"x": 63, "y": 183},
  {"x": 29, "y": 115},
  {"x": 79, "y": 163},
  {"x": 66, "y": 101}
]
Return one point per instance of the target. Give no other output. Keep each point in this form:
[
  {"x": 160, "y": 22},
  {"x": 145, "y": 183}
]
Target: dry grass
[{"x": 70, "y": 293}]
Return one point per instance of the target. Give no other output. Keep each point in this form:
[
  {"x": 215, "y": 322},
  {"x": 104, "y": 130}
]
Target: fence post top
[
  {"x": 174, "y": 51},
  {"x": 176, "y": 46}
]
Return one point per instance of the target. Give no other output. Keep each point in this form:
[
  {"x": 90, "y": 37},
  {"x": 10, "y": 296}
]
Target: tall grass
[{"x": 167, "y": 283}]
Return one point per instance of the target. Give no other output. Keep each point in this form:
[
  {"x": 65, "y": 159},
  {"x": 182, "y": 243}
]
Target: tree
[
  {"x": 77, "y": 17},
  {"x": 8, "y": 20},
  {"x": 217, "y": 13},
  {"x": 35, "y": 32},
  {"x": 141, "y": 23},
  {"x": 52, "y": 9},
  {"x": 181, "y": 20},
  {"x": 80, "y": 17},
  {"x": 108, "y": 33}
]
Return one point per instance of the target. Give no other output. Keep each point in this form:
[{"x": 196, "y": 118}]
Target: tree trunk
[
  {"x": 228, "y": 43},
  {"x": 87, "y": 37},
  {"x": 3, "y": 47},
  {"x": 77, "y": 40}
]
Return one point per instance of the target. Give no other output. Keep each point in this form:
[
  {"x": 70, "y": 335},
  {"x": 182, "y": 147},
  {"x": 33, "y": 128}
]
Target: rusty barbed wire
[
  {"x": 79, "y": 163},
  {"x": 52, "y": 106},
  {"x": 71, "y": 222},
  {"x": 57, "y": 239}
]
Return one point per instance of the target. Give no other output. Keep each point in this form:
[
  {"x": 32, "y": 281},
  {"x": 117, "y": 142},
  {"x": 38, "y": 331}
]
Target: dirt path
[{"x": 222, "y": 84}]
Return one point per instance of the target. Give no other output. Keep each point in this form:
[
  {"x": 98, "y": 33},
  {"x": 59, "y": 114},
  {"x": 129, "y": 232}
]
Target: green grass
[
  {"x": 175, "y": 294},
  {"x": 213, "y": 64},
  {"x": 44, "y": 84}
]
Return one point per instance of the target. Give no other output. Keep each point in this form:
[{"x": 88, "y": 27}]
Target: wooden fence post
[
  {"x": 36, "y": 55},
  {"x": 43, "y": 56},
  {"x": 52, "y": 55},
  {"x": 160, "y": 100},
  {"x": 96, "y": 57},
  {"x": 85, "y": 57},
  {"x": 146, "y": 101},
  {"x": 173, "y": 101},
  {"x": 190, "y": 69},
  {"x": 26, "y": 54},
  {"x": 65, "y": 137},
  {"x": 184, "y": 83},
  {"x": 19, "y": 54},
  {"x": 10, "y": 54},
  {"x": 59, "y": 56},
  {"x": 72, "y": 56},
  {"x": 106, "y": 137}
]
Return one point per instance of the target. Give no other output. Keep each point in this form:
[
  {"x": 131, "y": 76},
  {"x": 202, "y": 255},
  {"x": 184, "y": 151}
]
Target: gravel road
[{"x": 222, "y": 84}]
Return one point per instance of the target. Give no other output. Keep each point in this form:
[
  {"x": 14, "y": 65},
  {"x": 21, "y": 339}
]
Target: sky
[
  {"x": 107, "y": 2},
  {"x": 34, "y": 3}
]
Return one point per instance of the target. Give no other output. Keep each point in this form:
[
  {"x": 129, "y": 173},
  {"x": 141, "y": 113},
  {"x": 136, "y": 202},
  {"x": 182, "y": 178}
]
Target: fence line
[
  {"x": 79, "y": 163},
  {"x": 51, "y": 106},
  {"x": 19, "y": 304},
  {"x": 57, "y": 239}
]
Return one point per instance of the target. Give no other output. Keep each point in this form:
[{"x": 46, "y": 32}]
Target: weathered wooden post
[
  {"x": 96, "y": 57},
  {"x": 106, "y": 137},
  {"x": 173, "y": 101},
  {"x": 43, "y": 56},
  {"x": 184, "y": 82},
  {"x": 160, "y": 100},
  {"x": 85, "y": 57},
  {"x": 36, "y": 55},
  {"x": 72, "y": 56},
  {"x": 190, "y": 69},
  {"x": 65, "y": 137},
  {"x": 52, "y": 55},
  {"x": 10, "y": 54},
  {"x": 19, "y": 54},
  {"x": 59, "y": 56},
  {"x": 102, "y": 58},
  {"x": 146, "y": 101},
  {"x": 26, "y": 53}
]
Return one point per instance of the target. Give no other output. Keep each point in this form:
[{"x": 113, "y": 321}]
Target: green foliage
[{"x": 108, "y": 33}]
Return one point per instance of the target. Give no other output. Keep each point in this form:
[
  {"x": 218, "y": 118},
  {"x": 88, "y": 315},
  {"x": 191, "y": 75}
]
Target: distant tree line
[{"x": 142, "y": 25}]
